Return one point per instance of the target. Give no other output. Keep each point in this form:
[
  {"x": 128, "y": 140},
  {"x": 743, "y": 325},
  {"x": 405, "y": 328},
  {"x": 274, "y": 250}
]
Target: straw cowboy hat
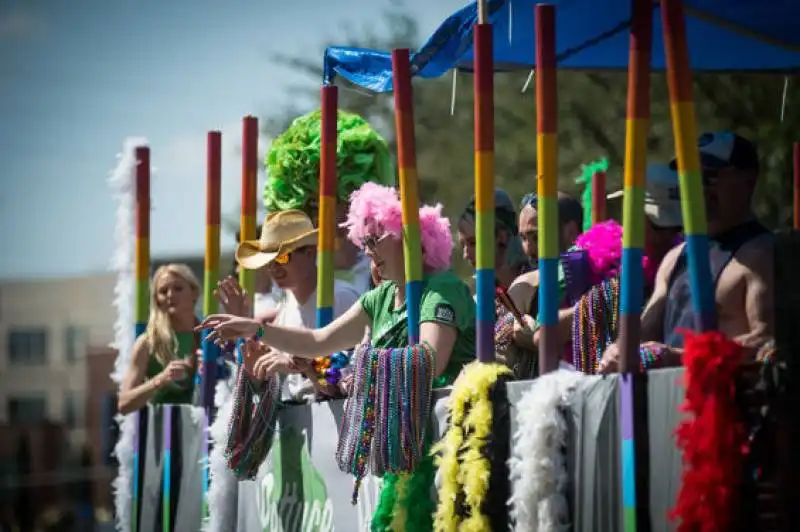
[{"x": 282, "y": 233}]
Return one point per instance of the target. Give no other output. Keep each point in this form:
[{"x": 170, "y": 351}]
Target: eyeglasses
[{"x": 370, "y": 242}]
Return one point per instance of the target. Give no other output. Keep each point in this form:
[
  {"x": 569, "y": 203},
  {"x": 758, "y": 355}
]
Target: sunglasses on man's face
[{"x": 284, "y": 258}]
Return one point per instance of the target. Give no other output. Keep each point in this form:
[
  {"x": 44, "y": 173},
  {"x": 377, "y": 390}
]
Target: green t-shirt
[{"x": 446, "y": 299}]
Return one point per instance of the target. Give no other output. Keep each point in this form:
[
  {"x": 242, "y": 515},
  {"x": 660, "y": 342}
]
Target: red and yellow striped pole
[
  {"x": 684, "y": 127},
  {"x": 212, "y": 259},
  {"x": 326, "y": 238},
  {"x": 550, "y": 347},
  {"x": 141, "y": 293},
  {"x": 142, "y": 250},
  {"x": 409, "y": 187},
  {"x": 484, "y": 187},
  {"x": 598, "y": 197},
  {"x": 633, "y": 452},
  {"x": 247, "y": 278}
]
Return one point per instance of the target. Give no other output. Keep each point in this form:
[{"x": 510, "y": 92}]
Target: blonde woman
[{"x": 162, "y": 365}]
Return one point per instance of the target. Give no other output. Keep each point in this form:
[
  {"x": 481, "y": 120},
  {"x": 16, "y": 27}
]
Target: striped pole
[
  {"x": 142, "y": 293},
  {"x": 796, "y": 160},
  {"x": 598, "y": 197},
  {"x": 632, "y": 278},
  {"x": 142, "y": 251},
  {"x": 484, "y": 187},
  {"x": 247, "y": 278},
  {"x": 550, "y": 347},
  {"x": 166, "y": 496},
  {"x": 684, "y": 127},
  {"x": 212, "y": 259},
  {"x": 211, "y": 351},
  {"x": 329, "y": 96},
  {"x": 247, "y": 228},
  {"x": 135, "y": 481},
  {"x": 409, "y": 186}
]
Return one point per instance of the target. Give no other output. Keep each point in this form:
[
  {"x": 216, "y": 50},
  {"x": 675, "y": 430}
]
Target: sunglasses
[
  {"x": 370, "y": 242},
  {"x": 284, "y": 258}
]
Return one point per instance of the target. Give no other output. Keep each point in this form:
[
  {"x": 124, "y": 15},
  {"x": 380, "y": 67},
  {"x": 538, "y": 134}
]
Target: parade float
[{"x": 567, "y": 450}]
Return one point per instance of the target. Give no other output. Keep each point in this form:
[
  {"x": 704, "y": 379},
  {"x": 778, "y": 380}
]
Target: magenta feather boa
[{"x": 376, "y": 210}]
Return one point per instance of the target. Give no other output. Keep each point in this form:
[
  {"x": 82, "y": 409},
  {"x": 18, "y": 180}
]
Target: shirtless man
[{"x": 741, "y": 253}]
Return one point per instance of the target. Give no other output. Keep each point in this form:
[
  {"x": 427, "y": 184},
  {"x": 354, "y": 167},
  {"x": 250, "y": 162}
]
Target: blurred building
[{"x": 57, "y": 401}]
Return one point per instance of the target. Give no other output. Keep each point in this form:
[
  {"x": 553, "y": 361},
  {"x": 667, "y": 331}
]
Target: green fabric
[
  {"x": 174, "y": 393},
  {"x": 292, "y": 162},
  {"x": 446, "y": 299}
]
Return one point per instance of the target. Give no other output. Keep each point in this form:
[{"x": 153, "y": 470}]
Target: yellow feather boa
[{"x": 470, "y": 413}]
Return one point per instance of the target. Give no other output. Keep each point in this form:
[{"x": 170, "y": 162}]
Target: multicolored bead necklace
[
  {"x": 252, "y": 424},
  {"x": 387, "y": 415},
  {"x": 329, "y": 370},
  {"x": 595, "y": 325}
]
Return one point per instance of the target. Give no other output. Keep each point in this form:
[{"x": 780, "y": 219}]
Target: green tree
[{"x": 591, "y": 112}]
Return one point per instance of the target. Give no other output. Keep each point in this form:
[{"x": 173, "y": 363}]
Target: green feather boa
[
  {"x": 293, "y": 159},
  {"x": 585, "y": 179}
]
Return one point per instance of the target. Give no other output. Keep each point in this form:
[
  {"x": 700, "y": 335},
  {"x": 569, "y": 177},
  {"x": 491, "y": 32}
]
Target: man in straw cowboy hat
[{"x": 288, "y": 249}]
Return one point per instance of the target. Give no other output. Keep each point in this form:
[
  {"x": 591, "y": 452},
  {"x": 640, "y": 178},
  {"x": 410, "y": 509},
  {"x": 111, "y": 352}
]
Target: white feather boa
[
  {"x": 122, "y": 182},
  {"x": 537, "y": 465},
  {"x": 223, "y": 485}
]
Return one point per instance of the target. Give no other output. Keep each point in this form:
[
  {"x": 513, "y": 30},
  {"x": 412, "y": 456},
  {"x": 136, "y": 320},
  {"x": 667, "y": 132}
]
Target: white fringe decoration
[
  {"x": 123, "y": 187},
  {"x": 223, "y": 485},
  {"x": 537, "y": 465}
]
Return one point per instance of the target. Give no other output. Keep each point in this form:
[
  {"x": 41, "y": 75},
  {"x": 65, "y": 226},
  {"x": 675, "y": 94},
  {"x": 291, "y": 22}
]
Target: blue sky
[{"x": 78, "y": 77}]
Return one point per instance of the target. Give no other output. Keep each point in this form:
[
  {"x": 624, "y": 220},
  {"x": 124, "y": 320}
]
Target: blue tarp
[{"x": 723, "y": 35}]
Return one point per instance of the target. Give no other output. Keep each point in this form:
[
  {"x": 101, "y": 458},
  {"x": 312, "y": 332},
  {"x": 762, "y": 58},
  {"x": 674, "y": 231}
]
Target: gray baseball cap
[{"x": 662, "y": 197}]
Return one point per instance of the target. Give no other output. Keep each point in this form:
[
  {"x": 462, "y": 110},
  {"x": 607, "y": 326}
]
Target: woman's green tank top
[{"x": 180, "y": 393}]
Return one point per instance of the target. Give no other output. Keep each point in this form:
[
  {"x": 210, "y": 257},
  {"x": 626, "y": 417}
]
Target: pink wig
[
  {"x": 603, "y": 245},
  {"x": 375, "y": 211}
]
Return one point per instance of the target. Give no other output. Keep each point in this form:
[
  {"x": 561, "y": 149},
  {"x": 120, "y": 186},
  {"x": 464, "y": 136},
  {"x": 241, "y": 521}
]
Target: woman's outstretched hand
[{"x": 227, "y": 327}]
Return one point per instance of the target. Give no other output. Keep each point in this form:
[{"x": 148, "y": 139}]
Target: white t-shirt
[
  {"x": 292, "y": 313},
  {"x": 359, "y": 276}
]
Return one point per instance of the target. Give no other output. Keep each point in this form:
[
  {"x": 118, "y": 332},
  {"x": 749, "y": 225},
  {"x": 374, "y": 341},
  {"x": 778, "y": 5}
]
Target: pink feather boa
[
  {"x": 376, "y": 210},
  {"x": 603, "y": 245}
]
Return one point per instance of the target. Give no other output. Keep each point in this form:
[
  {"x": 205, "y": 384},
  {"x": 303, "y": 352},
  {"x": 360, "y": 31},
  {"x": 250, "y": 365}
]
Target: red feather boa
[{"x": 714, "y": 439}]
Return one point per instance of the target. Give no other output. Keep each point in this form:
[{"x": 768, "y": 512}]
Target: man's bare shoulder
[{"x": 668, "y": 263}]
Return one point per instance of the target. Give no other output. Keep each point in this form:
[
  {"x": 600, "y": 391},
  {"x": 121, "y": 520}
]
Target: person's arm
[
  {"x": 654, "y": 312},
  {"x": 135, "y": 391},
  {"x": 521, "y": 293},
  {"x": 758, "y": 261},
  {"x": 565, "y": 318},
  {"x": 343, "y": 333},
  {"x": 441, "y": 339}
]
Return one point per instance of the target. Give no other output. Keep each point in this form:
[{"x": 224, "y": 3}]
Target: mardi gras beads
[
  {"x": 329, "y": 369},
  {"x": 649, "y": 356}
]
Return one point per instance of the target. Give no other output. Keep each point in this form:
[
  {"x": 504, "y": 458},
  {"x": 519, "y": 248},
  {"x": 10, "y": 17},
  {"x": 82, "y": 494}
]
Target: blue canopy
[{"x": 723, "y": 35}]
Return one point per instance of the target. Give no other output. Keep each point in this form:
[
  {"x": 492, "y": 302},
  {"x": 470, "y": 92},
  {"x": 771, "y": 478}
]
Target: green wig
[{"x": 293, "y": 159}]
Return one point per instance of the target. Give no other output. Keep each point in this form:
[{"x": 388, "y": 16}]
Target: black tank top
[{"x": 679, "y": 313}]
